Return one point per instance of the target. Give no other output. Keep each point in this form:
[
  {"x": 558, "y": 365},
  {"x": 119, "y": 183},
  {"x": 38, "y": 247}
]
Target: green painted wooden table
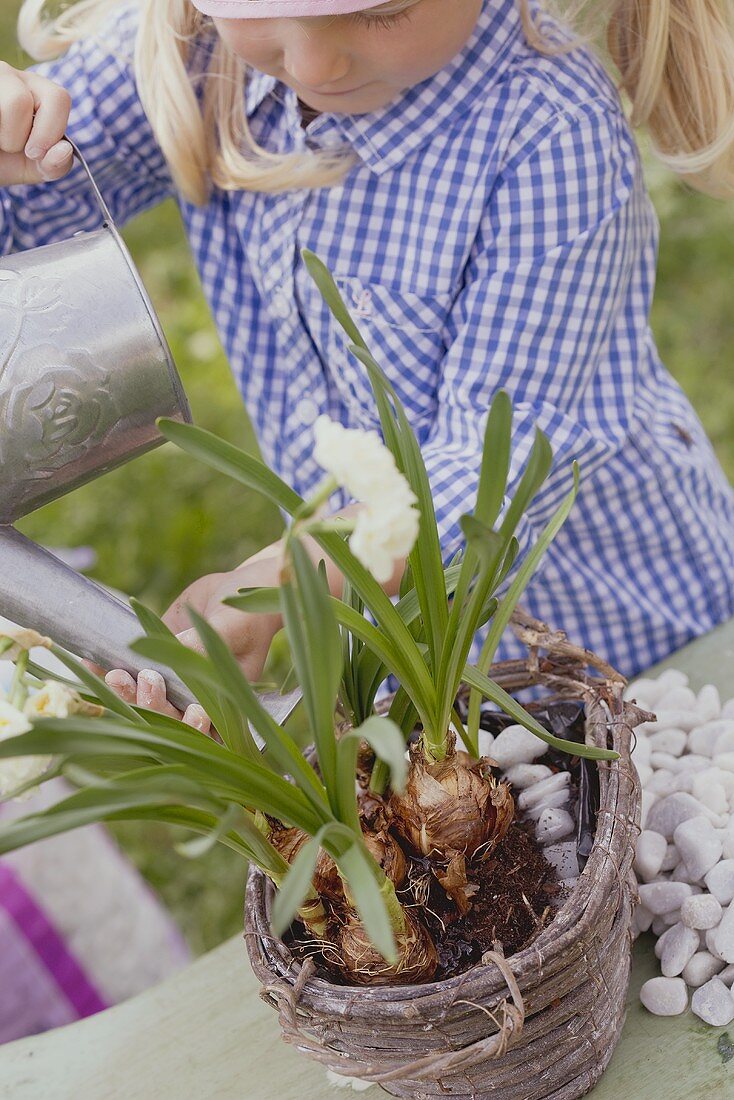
[{"x": 205, "y": 1034}]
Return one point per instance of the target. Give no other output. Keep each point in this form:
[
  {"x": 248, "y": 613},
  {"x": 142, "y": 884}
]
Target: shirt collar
[{"x": 384, "y": 138}]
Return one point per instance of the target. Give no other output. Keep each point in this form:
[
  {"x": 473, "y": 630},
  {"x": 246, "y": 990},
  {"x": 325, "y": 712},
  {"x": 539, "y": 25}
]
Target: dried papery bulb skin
[
  {"x": 362, "y": 964},
  {"x": 288, "y": 842},
  {"x": 390, "y": 856},
  {"x": 450, "y": 807}
]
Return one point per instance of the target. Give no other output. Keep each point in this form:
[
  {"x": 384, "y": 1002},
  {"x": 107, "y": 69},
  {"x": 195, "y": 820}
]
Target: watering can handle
[{"x": 108, "y": 220}]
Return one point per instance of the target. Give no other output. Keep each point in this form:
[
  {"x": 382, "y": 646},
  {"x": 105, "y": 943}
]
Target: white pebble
[
  {"x": 724, "y": 935},
  {"x": 691, "y": 762},
  {"x": 340, "y": 1082},
  {"x": 724, "y": 743},
  {"x": 727, "y": 711},
  {"x": 516, "y": 745},
  {"x": 564, "y": 858},
  {"x": 680, "y": 873},
  {"x": 650, "y": 854},
  {"x": 645, "y": 692},
  {"x": 713, "y": 1003},
  {"x": 727, "y": 975},
  {"x": 661, "y": 940},
  {"x": 672, "y": 720},
  {"x": 720, "y": 881},
  {"x": 716, "y": 775},
  {"x": 670, "y": 859},
  {"x": 708, "y": 704},
  {"x": 648, "y": 800},
  {"x": 664, "y": 760},
  {"x": 701, "y": 911},
  {"x": 680, "y": 698},
  {"x": 701, "y": 968},
  {"x": 725, "y": 760},
  {"x": 642, "y": 919},
  {"x": 661, "y": 782},
  {"x": 670, "y": 741},
  {"x": 699, "y": 845},
  {"x": 703, "y": 738},
  {"x": 556, "y": 800},
  {"x": 670, "y": 812},
  {"x": 553, "y": 825},
  {"x": 642, "y": 749},
  {"x": 683, "y": 781},
  {"x": 710, "y": 794},
  {"x": 680, "y": 947},
  {"x": 664, "y": 897},
  {"x": 665, "y": 996},
  {"x": 539, "y": 792},
  {"x": 659, "y": 927},
  {"x": 727, "y": 840},
  {"x": 525, "y": 775},
  {"x": 645, "y": 773},
  {"x": 671, "y": 679},
  {"x": 711, "y": 944},
  {"x": 486, "y": 741}
]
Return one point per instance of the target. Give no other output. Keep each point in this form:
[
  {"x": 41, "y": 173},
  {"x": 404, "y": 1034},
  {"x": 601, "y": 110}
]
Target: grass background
[{"x": 164, "y": 520}]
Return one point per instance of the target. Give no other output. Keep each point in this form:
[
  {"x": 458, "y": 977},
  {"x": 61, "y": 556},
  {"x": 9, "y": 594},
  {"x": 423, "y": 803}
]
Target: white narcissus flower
[
  {"x": 386, "y": 529},
  {"x": 55, "y": 700},
  {"x": 21, "y": 769},
  {"x": 23, "y": 639}
]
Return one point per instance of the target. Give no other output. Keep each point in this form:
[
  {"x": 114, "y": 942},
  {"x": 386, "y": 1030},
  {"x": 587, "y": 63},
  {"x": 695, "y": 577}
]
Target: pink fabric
[{"x": 276, "y": 9}]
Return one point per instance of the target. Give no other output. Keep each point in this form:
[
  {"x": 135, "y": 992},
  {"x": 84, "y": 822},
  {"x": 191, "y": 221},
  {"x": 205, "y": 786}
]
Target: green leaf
[
  {"x": 230, "y": 460},
  {"x": 495, "y": 460},
  {"x": 534, "y": 475},
  {"x": 295, "y": 887},
  {"x": 476, "y": 679},
  {"x": 358, "y": 872},
  {"x": 387, "y": 741},
  {"x": 202, "y": 845},
  {"x": 486, "y": 543},
  {"x": 515, "y": 591},
  {"x": 107, "y": 697},
  {"x": 258, "y": 601},
  {"x": 280, "y": 744},
  {"x": 213, "y": 766}
]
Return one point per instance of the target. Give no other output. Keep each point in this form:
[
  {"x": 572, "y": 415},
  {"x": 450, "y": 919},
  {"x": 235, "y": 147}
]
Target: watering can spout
[{"x": 40, "y": 591}]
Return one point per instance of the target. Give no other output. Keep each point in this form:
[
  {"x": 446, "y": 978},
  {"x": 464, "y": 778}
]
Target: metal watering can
[{"x": 85, "y": 370}]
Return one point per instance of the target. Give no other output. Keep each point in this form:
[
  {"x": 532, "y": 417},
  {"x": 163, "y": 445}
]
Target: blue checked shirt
[{"x": 494, "y": 231}]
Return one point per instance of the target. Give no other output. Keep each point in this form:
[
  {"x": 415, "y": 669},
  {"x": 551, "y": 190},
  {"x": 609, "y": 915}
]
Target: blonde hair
[{"x": 674, "y": 58}]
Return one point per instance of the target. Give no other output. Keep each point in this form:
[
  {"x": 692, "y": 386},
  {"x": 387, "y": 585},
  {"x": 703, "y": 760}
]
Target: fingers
[
  {"x": 34, "y": 114},
  {"x": 196, "y": 716},
  {"x": 152, "y": 693},
  {"x": 123, "y": 685},
  {"x": 96, "y": 669}
]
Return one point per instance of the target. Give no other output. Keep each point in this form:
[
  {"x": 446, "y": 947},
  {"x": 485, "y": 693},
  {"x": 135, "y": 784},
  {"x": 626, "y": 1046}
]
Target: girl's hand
[
  {"x": 248, "y": 636},
  {"x": 34, "y": 114}
]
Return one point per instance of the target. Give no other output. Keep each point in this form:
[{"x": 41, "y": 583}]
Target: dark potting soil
[
  {"x": 515, "y": 900},
  {"x": 517, "y": 888}
]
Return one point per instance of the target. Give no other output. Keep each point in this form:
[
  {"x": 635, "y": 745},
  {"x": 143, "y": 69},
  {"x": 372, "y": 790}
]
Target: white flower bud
[
  {"x": 20, "y": 769},
  {"x": 386, "y": 529}
]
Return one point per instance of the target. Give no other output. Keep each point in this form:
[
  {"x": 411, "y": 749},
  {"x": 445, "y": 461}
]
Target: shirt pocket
[{"x": 405, "y": 332}]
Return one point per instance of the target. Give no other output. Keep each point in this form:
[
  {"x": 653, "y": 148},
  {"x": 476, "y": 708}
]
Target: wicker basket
[{"x": 542, "y": 1023}]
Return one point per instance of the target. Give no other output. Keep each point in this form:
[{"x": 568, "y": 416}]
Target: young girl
[{"x": 466, "y": 170}]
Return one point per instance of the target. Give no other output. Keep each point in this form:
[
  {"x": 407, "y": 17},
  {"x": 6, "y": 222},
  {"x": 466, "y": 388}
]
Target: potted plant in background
[{"x": 353, "y": 847}]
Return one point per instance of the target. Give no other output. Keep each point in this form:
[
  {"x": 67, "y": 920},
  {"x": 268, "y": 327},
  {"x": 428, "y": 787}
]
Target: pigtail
[{"x": 676, "y": 63}]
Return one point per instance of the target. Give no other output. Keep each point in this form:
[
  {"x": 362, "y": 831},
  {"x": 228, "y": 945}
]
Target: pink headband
[{"x": 276, "y": 9}]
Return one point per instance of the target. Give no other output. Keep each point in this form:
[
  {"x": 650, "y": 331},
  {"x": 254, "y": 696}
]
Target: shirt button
[
  {"x": 308, "y": 412},
  {"x": 281, "y": 305}
]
